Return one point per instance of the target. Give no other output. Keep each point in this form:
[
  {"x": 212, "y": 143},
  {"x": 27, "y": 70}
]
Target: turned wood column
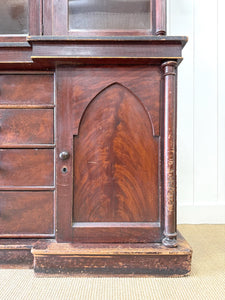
[
  {"x": 160, "y": 17},
  {"x": 169, "y": 154}
]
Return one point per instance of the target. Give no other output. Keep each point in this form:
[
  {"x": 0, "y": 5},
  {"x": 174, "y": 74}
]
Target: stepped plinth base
[{"x": 113, "y": 259}]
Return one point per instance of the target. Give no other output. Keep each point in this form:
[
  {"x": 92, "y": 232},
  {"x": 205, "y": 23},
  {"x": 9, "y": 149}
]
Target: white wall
[{"x": 201, "y": 110}]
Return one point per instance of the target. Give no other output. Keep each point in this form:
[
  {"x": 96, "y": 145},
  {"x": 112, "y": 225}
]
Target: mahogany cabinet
[{"x": 88, "y": 138}]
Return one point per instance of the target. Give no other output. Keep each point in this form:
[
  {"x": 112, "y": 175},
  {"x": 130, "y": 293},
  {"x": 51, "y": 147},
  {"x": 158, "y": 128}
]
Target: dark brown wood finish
[
  {"x": 142, "y": 81},
  {"x": 115, "y": 161},
  {"x": 28, "y": 89},
  {"x": 26, "y": 213},
  {"x": 46, "y": 51},
  {"x": 16, "y": 124},
  {"x": 47, "y": 17},
  {"x": 59, "y": 17},
  {"x": 12, "y": 39},
  {"x": 115, "y": 158},
  {"x": 57, "y": 23},
  {"x": 170, "y": 153},
  {"x": 114, "y": 259},
  {"x": 35, "y": 17},
  {"x": 16, "y": 252},
  {"x": 60, "y": 22},
  {"x": 26, "y": 167},
  {"x": 151, "y": 265},
  {"x": 116, "y": 232},
  {"x": 34, "y": 22},
  {"x": 70, "y": 48},
  {"x": 111, "y": 182},
  {"x": 19, "y": 53},
  {"x": 16, "y": 257},
  {"x": 160, "y": 17},
  {"x": 64, "y": 170}
]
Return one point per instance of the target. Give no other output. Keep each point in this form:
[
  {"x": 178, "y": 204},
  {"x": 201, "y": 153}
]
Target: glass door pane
[
  {"x": 109, "y": 14},
  {"x": 14, "y": 17}
]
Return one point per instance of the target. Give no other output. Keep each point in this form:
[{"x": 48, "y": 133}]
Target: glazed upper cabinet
[
  {"x": 14, "y": 17},
  {"x": 82, "y": 18},
  {"x": 20, "y": 18},
  {"x": 109, "y": 15},
  {"x": 104, "y": 17}
]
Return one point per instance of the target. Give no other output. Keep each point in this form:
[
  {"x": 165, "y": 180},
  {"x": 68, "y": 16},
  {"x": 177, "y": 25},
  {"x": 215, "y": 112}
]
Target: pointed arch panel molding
[
  {"x": 142, "y": 81},
  {"x": 112, "y": 182},
  {"x": 115, "y": 161}
]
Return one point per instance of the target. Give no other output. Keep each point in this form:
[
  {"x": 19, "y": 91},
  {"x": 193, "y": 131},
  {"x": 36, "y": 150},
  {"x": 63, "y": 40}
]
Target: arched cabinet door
[{"x": 109, "y": 185}]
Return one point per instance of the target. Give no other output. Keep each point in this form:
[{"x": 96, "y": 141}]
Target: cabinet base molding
[
  {"x": 50, "y": 257},
  {"x": 16, "y": 253},
  {"x": 113, "y": 259}
]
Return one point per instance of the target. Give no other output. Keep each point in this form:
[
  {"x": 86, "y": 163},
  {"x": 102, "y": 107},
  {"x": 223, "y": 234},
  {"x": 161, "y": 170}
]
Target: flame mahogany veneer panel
[
  {"x": 108, "y": 119},
  {"x": 116, "y": 161},
  {"x": 143, "y": 81}
]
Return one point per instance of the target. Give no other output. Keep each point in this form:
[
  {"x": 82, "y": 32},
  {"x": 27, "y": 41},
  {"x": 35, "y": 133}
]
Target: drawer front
[
  {"x": 26, "y": 126},
  {"x": 21, "y": 89},
  {"x": 26, "y": 167},
  {"x": 26, "y": 213}
]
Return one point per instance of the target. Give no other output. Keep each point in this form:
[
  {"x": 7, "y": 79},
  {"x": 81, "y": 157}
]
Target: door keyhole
[{"x": 64, "y": 170}]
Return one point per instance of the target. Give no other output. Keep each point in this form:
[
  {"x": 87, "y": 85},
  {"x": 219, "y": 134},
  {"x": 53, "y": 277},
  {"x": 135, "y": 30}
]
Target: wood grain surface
[
  {"x": 108, "y": 120},
  {"x": 115, "y": 161},
  {"x": 101, "y": 259},
  {"x": 143, "y": 81},
  {"x": 59, "y": 18},
  {"x": 26, "y": 89},
  {"x": 26, "y": 126},
  {"x": 26, "y": 213},
  {"x": 26, "y": 167}
]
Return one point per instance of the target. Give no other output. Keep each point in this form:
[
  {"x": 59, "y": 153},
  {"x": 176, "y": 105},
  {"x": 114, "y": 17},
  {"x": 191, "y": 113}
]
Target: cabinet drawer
[
  {"x": 26, "y": 167},
  {"x": 26, "y": 212},
  {"x": 26, "y": 126},
  {"x": 26, "y": 89}
]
